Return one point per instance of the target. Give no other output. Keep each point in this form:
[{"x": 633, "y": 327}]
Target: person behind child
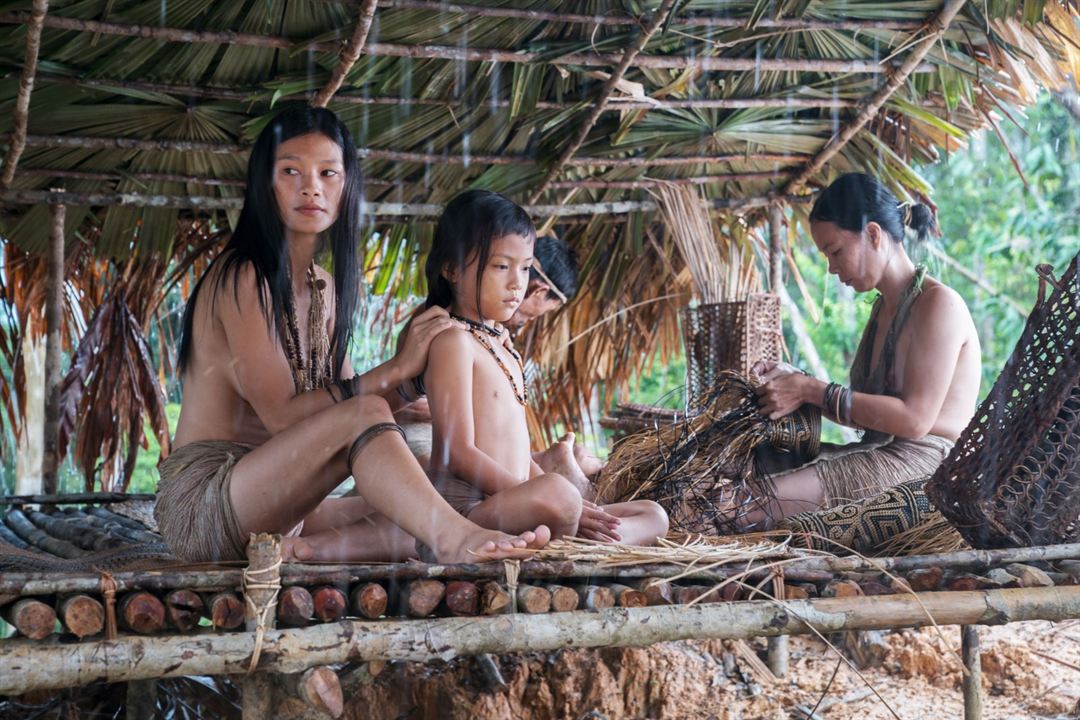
[
  {"x": 272, "y": 417},
  {"x": 915, "y": 376},
  {"x": 478, "y": 269}
]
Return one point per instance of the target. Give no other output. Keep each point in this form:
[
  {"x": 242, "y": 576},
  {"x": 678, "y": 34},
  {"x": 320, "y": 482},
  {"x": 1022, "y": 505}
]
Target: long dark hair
[
  {"x": 469, "y": 223},
  {"x": 559, "y": 263},
  {"x": 259, "y": 237},
  {"x": 856, "y": 199}
]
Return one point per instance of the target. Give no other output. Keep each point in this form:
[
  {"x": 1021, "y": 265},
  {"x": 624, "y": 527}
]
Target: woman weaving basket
[{"x": 915, "y": 376}]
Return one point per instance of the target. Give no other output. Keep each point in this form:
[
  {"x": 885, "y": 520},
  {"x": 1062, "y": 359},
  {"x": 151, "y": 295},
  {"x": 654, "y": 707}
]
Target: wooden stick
[
  {"x": 261, "y": 583},
  {"x": 330, "y": 603},
  {"x": 294, "y": 650},
  {"x": 972, "y": 680},
  {"x": 784, "y": 98},
  {"x": 563, "y": 599},
  {"x": 494, "y": 600},
  {"x": 626, "y": 596},
  {"x": 467, "y": 54},
  {"x": 369, "y": 600},
  {"x": 296, "y": 607},
  {"x": 419, "y": 598},
  {"x": 31, "y": 618},
  {"x": 462, "y": 597},
  {"x": 349, "y": 55},
  {"x": 598, "y": 105},
  {"x": 657, "y": 592},
  {"x": 595, "y": 597},
  {"x": 226, "y": 611},
  {"x": 141, "y": 612},
  {"x": 779, "y": 654},
  {"x": 54, "y": 317},
  {"x": 533, "y": 599},
  {"x": 34, "y": 21},
  {"x": 647, "y": 182},
  {"x": 895, "y": 78},
  {"x": 319, "y": 688},
  {"x": 82, "y": 615},
  {"x": 183, "y": 609}
]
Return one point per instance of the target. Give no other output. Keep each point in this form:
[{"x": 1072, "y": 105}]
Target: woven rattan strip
[{"x": 1013, "y": 478}]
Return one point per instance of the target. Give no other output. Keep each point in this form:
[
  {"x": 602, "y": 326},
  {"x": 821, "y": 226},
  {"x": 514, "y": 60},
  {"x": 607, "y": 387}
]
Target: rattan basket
[
  {"x": 729, "y": 336},
  {"x": 1013, "y": 478}
]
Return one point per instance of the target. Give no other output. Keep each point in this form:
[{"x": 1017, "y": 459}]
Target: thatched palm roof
[{"x": 141, "y": 111}]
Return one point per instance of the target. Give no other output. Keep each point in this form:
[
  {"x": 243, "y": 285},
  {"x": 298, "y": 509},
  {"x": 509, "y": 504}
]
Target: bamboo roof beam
[
  {"x": 21, "y": 112},
  {"x": 936, "y": 26},
  {"x": 616, "y": 104},
  {"x": 441, "y": 52},
  {"x": 601, "y": 101},
  {"x": 139, "y": 176},
  {"x": 616, "y": 20},
  {"x": 124, "y": 143},
  {"x": 378, "y": 209},
  {"x": 646, "y": 182},
  {"x": 349, "y": 55}
]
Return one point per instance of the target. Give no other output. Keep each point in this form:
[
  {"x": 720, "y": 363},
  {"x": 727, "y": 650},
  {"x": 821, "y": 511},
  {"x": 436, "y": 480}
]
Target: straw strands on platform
[{"x": 693, "y": 551}]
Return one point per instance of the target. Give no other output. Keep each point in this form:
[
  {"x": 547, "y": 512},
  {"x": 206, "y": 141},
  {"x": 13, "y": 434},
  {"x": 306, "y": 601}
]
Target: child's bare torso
[{"x": 500, "y": 427}]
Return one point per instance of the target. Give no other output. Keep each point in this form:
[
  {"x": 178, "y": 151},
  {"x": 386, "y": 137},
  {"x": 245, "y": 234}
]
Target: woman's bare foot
[
  {"x": 482, "y": 544},
  {"x": 589, "y": 464}
]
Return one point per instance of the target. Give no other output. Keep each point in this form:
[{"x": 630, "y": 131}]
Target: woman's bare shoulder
[{"x": 939, "y": 303}]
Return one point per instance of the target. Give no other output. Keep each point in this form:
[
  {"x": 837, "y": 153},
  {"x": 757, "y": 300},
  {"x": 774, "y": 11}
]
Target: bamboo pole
[
  {"x": 349, "y": 55},
  {"x": 141, "y": 177},
  {"x": 617, "y": 104},
  {"x": 601, "y": 100},
  {"x": 618, "y": 19},
  {"x": 73, "y": 498},
  {"x": 647, "y": 182},
  {"x": 776, "y": 248},
  {"x": 54, "y": 318},
  {"x": 809, "y": 569},
  {"x": 935, "y": 28},
  {"x": 34, "y": 21},
  {"x": 467, "y": 54},
  {"x": 779, "y": 653},
  {"x": 972, "y": 681},
  {"x": 294, "y": 650}
]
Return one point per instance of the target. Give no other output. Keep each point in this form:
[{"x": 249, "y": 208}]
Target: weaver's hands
[
  {"x": 783, "y": 388},
  {"x": 597, "y": 524},
  {"x": 412, "y": 359}
]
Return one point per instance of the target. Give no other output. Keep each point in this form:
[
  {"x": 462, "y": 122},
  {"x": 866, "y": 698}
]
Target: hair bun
[{"x": 920, "y": 218}]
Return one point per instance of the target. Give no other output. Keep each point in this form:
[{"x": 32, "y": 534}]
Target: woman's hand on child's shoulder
[{"x": 425, "y": 327}]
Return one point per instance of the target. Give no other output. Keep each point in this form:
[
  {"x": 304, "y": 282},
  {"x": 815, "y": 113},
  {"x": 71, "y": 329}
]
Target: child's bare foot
[
  {"x": 296, "y": 549},
  {"x": 559, "y": 459},
  {"x": 482, "y": 544}
]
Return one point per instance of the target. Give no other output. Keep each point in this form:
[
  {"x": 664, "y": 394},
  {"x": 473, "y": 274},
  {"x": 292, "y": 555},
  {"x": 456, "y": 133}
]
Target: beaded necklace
[
  {"x": 316, "y": 370},
  {"x": 483, "y": 334}
]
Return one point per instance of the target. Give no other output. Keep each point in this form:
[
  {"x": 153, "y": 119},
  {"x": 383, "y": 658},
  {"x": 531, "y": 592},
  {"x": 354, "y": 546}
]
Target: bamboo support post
[
  {"x": 35, "y": 21},
  {"x": 330, "y": 603},
  {"x": 969, "y": 650},
  {"x": 54, "y": 318},
  {"x": 601, "y": 101},
  {"x": 183, "y": 609},
  {"x": 462, "y": 597},
  {"x": 293, "y": 650},
  {"x": 349, "y": 55},
  {"x": 141, "y": 612},
  {"x": 295, "y": 607},
  {"x": 82, "y": 615},
  {"x": 369, "y": 601},
  {"x": 779, "y": 653},
  {"x": 936, "y": 27},
  {"x": 776, "y": 247},
  {"x": 319, "y": 688},
  {"x": 31, "y": 618},
  {"x": 262, "y": 582}
]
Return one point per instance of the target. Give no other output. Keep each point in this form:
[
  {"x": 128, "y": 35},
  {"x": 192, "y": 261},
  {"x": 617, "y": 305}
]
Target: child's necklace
[
  {"x": 523, "y": 396},
  {"x": 477, "y": 325}
]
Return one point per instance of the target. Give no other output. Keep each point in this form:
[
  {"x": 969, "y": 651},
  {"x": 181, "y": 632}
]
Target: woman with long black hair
[{"x": 272, "y": 416}]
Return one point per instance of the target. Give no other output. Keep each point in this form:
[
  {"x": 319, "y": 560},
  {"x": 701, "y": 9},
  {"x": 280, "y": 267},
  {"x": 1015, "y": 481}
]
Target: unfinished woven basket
[
  {"x": 729, "y": 336},
  {"x": 1013, "y": 478}
]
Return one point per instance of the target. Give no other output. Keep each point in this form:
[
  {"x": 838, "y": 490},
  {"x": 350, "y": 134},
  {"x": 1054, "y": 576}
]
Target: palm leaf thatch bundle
[{"x": 704, "y": 469}]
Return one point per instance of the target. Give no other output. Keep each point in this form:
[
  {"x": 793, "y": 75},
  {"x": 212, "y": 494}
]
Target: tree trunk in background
[{"x": 30, "y": 451}]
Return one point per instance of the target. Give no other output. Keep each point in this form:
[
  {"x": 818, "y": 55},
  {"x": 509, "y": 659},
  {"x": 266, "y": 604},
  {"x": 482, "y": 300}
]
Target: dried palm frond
[
  {"x": 694, "y": 551},
  {"x": 933, "y": 535}
]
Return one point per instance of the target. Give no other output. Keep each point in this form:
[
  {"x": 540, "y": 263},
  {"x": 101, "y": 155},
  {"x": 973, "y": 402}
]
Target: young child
[{"x": 481, "y": 463}]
